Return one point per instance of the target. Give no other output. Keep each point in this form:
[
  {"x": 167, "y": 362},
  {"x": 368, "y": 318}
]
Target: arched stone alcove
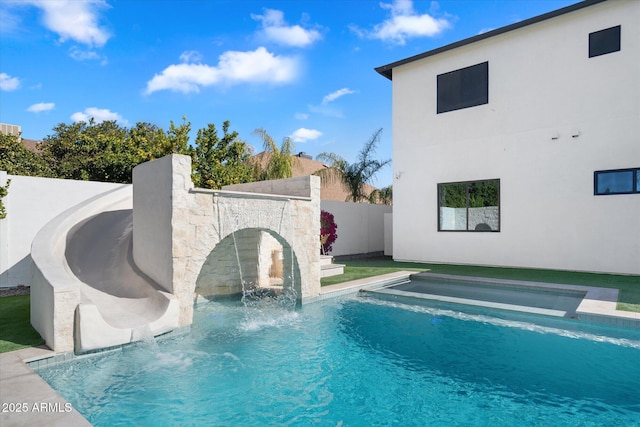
[{"x": 259, "y": 258}]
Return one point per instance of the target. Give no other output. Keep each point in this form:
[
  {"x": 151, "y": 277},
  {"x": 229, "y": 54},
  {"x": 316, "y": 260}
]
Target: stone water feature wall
[{"x": 190, "y": 239}]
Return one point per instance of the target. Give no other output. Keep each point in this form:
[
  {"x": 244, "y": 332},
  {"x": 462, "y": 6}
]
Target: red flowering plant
[{"x": 328, "y": 233}]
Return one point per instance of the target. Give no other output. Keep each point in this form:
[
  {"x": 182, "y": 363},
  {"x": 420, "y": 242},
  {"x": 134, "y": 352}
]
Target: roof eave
[{"x": 387, "y": 70}]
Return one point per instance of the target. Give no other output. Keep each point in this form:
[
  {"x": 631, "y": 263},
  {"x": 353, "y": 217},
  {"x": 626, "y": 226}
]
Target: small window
[
  {"x": 619, "y": 181},
  {"x": 604, "y": 41},
  {"x": 469, "y": 206},
  {"x": 463, "y": 88}
]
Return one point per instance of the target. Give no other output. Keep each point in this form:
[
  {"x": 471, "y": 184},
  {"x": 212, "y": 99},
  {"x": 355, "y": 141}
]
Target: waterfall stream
[{"x": 237, "y": 214}]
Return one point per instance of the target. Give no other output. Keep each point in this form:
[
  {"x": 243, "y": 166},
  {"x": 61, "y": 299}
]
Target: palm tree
[
  {"x": 354, "y": 175},
  {"x": 280, "y": 162}
]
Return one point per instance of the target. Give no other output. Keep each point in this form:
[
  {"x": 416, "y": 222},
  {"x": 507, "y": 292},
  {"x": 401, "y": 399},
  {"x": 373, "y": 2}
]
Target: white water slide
[{"x": 87, "y": 253}]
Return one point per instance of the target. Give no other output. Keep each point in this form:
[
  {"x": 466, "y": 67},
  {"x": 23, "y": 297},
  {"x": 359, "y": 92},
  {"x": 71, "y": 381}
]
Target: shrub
[{"x": 328, "y": 233}]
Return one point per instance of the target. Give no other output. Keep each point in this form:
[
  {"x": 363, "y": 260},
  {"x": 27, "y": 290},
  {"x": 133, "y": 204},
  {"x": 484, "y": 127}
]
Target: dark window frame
[
  {"x": 635, "y": 185},
  {"x": 459, "y": 89},
  {"x": 605, "y": 41},
  {"x": 468, "y": 183}
]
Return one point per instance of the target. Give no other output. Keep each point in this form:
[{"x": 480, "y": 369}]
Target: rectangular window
[
  {"x": 604, "y": 41},
  {"x": 619, "y": 181},
  {"x": 469, "y": 206},
  {"x": 463, "y": 88}
]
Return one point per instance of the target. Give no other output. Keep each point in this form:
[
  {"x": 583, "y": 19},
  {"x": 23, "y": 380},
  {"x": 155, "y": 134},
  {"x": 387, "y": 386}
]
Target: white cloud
[
  {"x": 304, "y": 135},
  {"x": 337, "y": 94},
  {"x": 258, "y": 66},
  {"x": 275, "y": 29},
  {"x": 8, "y": 83},
  {"x": 40, "y": 107},
  {"x": 326, "y": 108},
  {"x": 404, "y": 23},
  {"x": 190, "y": 56},
  {"x": 11, "y": 22},
  {"x": 301, "y": 116},
  {"x": 99, "y": 115},
  {"x": 75, "y": 20},
  {"x": 87, "y": 55}
]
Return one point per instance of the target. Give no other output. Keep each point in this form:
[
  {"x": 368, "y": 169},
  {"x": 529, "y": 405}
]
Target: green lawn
[
  {"x": 15, "y": 327},
  {"x": 629, "y": 286}
]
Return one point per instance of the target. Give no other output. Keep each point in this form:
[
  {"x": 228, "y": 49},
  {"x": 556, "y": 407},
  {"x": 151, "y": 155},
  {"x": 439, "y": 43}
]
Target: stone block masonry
[{"x": 206, "y": 241}]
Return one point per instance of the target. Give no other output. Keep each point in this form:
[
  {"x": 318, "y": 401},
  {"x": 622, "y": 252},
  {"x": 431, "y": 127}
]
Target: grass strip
[{"x": 16, "y": 331}]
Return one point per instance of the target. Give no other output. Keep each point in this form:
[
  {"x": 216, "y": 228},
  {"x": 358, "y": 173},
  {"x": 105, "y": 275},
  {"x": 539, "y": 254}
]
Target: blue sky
[{"x": 303, "y": 69}]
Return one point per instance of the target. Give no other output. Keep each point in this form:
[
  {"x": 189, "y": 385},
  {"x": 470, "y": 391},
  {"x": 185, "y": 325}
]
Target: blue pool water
[{"x": 362, "y": 361}]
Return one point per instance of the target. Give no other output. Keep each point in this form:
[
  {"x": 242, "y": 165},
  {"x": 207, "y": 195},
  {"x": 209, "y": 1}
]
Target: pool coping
[
  {"x": 598, "y": 305},
  {"x": 20, "y": 384},
  {"x": 368, "y": 283}
]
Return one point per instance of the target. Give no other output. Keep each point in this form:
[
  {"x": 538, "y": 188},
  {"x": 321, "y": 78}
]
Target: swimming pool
[{"x": 361, "y": 361}]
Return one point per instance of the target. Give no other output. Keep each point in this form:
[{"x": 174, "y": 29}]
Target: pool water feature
[{"x": 363, "y": 360}]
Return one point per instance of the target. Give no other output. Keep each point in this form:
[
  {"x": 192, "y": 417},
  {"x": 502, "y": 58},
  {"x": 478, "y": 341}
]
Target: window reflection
[
  {"x": 469, "y": 206},
  {"x": 622, "y": 181}
]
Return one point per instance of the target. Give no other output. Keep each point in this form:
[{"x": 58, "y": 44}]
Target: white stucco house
[{"x": 521, "y": 146}]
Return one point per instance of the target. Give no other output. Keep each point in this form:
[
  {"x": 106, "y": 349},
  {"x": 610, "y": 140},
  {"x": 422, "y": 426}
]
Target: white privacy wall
[
  {"x": 360, "y": 227},
  {"x": 542, "y": 84},
  {"x": 31, "y": 203}
]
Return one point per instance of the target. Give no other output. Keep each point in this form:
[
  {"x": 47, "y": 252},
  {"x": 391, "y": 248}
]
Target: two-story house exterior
[{"x": 521, "y": 146}]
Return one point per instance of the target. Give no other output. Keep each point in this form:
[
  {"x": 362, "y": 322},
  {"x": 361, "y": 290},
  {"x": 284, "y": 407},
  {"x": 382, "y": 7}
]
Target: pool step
[{"x": 328, "y": 268}]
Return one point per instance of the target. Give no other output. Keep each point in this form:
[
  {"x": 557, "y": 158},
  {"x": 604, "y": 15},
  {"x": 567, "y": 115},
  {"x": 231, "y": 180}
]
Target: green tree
[
  {"x": 469, "y": 194},
  {"x": 4, "y": 190},
  {"x": 108, "y": 152},
  {"x": 90, "y": 151},
  {"x": 15, "y": 159},
  {"x": 178, "y": 137},
  {"x": 483, "y": 194},
  {"x": 217, "y": 162},
  {"x": 354, "y": 176},
  {"x": 151, "y": 141},
  {"x": 453, "y": 195},
  {"x": 382, "y": 196},
  {"x": 280, "y": 160}
]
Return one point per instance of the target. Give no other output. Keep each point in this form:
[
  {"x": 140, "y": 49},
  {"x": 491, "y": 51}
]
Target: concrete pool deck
[
  {"x": 27, "y": 400},
  {"x": 20, "y": 384}
]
